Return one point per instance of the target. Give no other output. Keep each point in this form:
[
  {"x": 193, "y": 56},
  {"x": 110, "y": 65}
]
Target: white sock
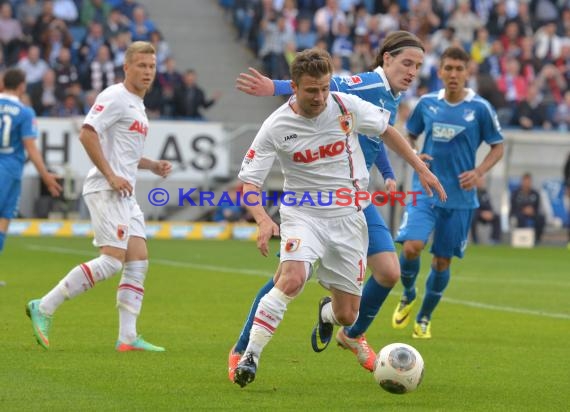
[
  {"x": 129, "y": 298},
  {"x": 269, "y": 314},
  {"x": 328, "y": 315},
  {"x": 79, "y": 279}
]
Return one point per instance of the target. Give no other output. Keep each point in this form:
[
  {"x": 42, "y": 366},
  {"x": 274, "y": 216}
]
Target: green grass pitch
[{"x": 501, "y": 336}]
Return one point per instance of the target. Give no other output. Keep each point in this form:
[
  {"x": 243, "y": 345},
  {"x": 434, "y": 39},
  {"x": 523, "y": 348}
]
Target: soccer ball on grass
[{"x": 399, "y": 368}]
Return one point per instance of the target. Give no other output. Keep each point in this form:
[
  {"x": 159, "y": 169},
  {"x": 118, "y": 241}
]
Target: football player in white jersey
[
  {"x": 313, "y": 135},
  {"x": 113, "y": 135}
]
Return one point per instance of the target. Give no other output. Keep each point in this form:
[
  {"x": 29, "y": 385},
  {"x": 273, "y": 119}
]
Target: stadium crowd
[
  {"x": 520, "y": 49},
  {"x": 70, "y": 50}
]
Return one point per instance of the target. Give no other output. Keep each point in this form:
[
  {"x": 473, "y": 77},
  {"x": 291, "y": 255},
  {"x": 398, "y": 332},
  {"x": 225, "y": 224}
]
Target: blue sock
[
  {"x": 373, "y": 296},
  {"x": 244, "y": 335},
  {"x": 2, "y": 239},
  {"x": 410, "y": 269},
  {"x": 435, "y": 285}
]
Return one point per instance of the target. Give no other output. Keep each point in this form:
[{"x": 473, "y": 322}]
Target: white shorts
[
  {"x": 114, "y": 218},
  {"x": 340, "y": 243}
]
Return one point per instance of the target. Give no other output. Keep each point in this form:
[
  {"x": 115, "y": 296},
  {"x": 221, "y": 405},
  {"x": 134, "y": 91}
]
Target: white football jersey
[
  {"x": 318, "y": 156},
  {"x": 119, "y": 118}
]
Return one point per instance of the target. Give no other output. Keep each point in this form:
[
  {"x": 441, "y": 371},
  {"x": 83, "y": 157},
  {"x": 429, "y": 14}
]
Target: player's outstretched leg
[
  {"x": 41, "y": 322},
  {"x": 322, "y": 332}
]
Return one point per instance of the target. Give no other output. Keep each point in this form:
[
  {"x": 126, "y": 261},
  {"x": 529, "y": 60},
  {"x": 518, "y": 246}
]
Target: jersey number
[{"x": 5, "y": 127}]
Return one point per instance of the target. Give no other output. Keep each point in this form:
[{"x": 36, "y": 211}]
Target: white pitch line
[{"x": 214, "y": 268}]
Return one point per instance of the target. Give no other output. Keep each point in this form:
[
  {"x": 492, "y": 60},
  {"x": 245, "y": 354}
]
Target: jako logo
[
  {"x": 329, "y": 150},
  {"x": 139, "y": 127}
]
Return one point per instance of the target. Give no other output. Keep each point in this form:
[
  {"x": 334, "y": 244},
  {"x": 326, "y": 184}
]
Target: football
[{"x": 399, "y": 368}]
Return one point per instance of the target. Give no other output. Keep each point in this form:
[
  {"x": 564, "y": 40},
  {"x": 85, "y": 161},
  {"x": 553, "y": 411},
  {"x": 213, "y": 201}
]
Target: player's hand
[
  {"x": 267, "y": 229},
  {"x": 390, "y": 185},
  {"x": 54, "y": 188},
  {"x": 161, "y": 168},
  {"x": 468, "y": 180},
  {"x": 120, "y": 185},
  {"x": 255, "y": 84},
  {"x": 429, "y": 181},
  {"x": 426, "y": 159}
]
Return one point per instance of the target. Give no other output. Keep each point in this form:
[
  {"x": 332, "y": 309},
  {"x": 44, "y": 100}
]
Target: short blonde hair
[
  {"x": 138, "y": 47},
  {"x": 313, "y": 62}
]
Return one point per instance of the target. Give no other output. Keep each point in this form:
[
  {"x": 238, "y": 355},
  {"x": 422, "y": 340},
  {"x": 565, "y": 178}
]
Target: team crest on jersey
[
  {"x": 292, "y": 245},
  {"x": 345, "y": 121},
  {"x": 249, "y": 156},
  {"x": 469, "y": 115},
  {"x": 122, "y": 231}
]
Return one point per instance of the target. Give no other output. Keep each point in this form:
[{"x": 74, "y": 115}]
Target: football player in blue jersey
[
  {"x": 455, "y": 121},
  {"x": 397, "y": 65},
  {"x": 18, "y": 133}
]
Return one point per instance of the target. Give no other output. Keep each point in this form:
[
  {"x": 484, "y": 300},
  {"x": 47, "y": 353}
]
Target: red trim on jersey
[
  {"x": 264, "y": 324},
  {"x": 87, "y": 273}
]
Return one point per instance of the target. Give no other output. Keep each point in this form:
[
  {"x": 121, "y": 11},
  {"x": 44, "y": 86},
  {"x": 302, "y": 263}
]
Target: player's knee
[
  {"x": 104, "y": 267},
  {"x": 440, "y": 264},
  {"x": 412, "y": 250},
  {"x": 346, "y": 316}
]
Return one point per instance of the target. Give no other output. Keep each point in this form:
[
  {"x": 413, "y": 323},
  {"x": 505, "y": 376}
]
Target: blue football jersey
[
  {"x": 453, "y": 133},
  {"x": 374, "y": 88},
  {"x": 17, "y": 122}
]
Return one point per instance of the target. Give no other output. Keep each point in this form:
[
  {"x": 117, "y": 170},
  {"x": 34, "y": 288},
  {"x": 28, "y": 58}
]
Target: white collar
[
  {"x": 9, "y": 97},
  {"x": 382, "y": 74},
  {"x": 468, "y": 97}
]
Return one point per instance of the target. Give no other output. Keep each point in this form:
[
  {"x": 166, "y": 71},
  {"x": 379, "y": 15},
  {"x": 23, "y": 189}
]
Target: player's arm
[
  {"x": 48, "y": 178},
  {"x": 395, "y": 141},
  {"x": 161, "y": 168},
  {"x": 256, "y": 84},
  {"x": 468, "y": 179},
  {"x": 383, "y": 164},
  {"x": 90, "y": 141},
  {"x": 266, "y": 226}
]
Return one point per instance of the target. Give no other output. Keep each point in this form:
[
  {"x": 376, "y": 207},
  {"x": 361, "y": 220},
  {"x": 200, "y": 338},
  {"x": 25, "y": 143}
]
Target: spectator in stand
[
  {"x": 547, "y": 44},
  {"x": 530, "y": 64},
  {"x": 57, "y": 37},
  {"x": 169, "y": 81},
  {"x": 141, "y": 26},
  {"x": 563, "y": 62},
  {"x": 11, "y": 34},
  {"x": 391, "y": 20},
  {"x": 127, "y": 7},
  {"x": 481, "y": 47},
  {"x": 69, "y": 106},
  {"x": 276, "y": 37},
  {"x": 511, "y": 39},
  {"x": 190, "y": 99},
  {"x": 119, "y": 45},
  {"x": 562, "y": 115},
  {"x": 116, "y": 23},
  {"x": 362, "y": 59},
  {"x": 497, "y": 19},
  {"x": 91, "y": 44},
  {"x": 289, "y": 12},
  {"x": 43, "y": 94},
  {"x": 525, "y": 207},
  {"x": 101, "y": 73},
  {"x": 65, "y": 72},
  {"x": 27, "y": 13},
  {"x": 465, "y": 23},
  {"x": 338, "y": 69},
  {"x": 65, "y": 10},
  {"x": 244, "y": 13},
  {"x": 94, "y": 10},
  {"x": 442, "y": 39},
  {"x": 427, "y": 14},
  {"x": 327, "y": 20},
  {"x": 544, "y": 11},
  {"x": 551, "y": 84},
  {"x": 42, "y": 22},
  {"x": 493, "y": 64},
  {"x": 531, "y": 112},
  {"x": 33, "y": 66},
  {"x": 512, "y": 84},
  {"x": 306, "y": 37},
  {"x": 162, "y": 49},
  {"x": 524, "y": 19},
  {"x": 485, "y": 214},
  {"x": 342, "y": 45}
]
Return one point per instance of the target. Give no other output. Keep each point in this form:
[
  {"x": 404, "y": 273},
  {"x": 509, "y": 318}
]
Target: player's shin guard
[
  {"x": 436, "y": 283},
  {"x": 269, "y": 314},
  {"x": 129, "y": 298},
  {"x": 244, "y": 335},
  {"x": 81, "y": 278},
  {"x": 410, "y": 269},
  {"x": 373, "y": 296}
]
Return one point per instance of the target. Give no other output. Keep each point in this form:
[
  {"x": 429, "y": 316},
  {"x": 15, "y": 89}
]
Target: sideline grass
[{"x": 197, "y": 294}]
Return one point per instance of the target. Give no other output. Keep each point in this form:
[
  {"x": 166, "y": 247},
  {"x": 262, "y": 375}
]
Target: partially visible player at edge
[
  {"x": 335, "y": 235},
  {"x": 18, "y": 134},
  {"x": 113, "y": 135},
  {"x": 397, "y": 64},
  {"x": 456, "y": 121}
]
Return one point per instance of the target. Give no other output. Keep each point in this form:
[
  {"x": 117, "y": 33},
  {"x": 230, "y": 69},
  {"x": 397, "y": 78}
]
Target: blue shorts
[
  {"x": 379, "y": 237},
  {"x": 450, "y": 227},
  {"x": 9, "y": 195}
]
